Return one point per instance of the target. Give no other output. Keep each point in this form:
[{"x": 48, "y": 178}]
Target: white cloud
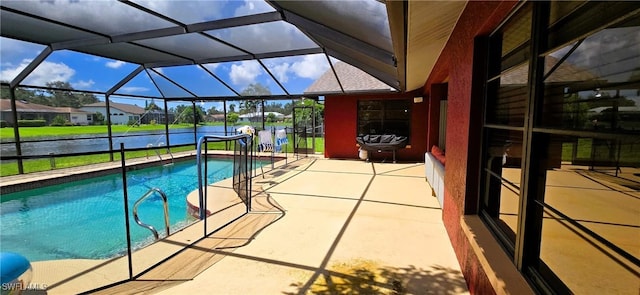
[
  {"x": 83, "y": 85},
  {"x": 312, "y": 66},
  {"x": 280, "y": 71},
  {"x": 13, "y": 52},
  {"x": 244, "y": 73},
  {"x": 132, "y": 89},
  {"x": 187, "y": 11},
  {"x": 115, "y": 64},
  {"x": 45, "y": 72},
  {"x": 211, "y": 67},
  {"x": 253, "y": 7}
]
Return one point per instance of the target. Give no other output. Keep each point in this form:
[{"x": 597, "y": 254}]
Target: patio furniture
[
  {"x": 382, "y": 142},
  {"x": 266, "y": 142},
  {"x": 434, "y": 162},
  {"x": 281, "y": 139}
]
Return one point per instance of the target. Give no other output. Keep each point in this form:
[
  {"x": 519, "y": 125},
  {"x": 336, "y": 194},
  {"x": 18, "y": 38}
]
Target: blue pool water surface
[{"x": 85, "y": 219}]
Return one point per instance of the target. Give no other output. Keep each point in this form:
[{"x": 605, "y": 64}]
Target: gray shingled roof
[
  {"x": 566, "y": 72},
  {"x": 27, "y": 107},
  {"x": 352, "y": 79},
  {"x": 127, "y": 108}
]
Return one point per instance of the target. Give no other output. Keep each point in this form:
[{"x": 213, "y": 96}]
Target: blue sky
[{"x": 87, "y": 72}]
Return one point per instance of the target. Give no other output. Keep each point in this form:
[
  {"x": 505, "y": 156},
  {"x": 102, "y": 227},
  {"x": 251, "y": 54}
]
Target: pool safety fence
[{"x": 213, "y": 220}]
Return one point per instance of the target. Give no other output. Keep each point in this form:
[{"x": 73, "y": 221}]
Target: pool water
[{"x": 85, "y": 219}]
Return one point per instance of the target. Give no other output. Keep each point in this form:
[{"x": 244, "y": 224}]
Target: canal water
[{"x": 137, "y": 139}]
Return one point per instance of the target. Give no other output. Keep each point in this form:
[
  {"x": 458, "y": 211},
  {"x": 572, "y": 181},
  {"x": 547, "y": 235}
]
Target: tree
[
  {"x": 304, "y": 115},
  {"x": 213, "y": 111},
  {"x": 249, "y": 106},
  {"x": 232, "y": 118},
  {"x": 98, "y": 118},
  {"x": 232, "y": 108},
  {"x": 274, "y": 107},
  {"x": 64, "y": 96},
  {"x": 271, "y": 117},
  {"x": 26, "y": 94},
  {"x": 152, "y": 106},
  {"x": 186, "y": 114},
  {"x": 58, "y": 120},
  {"x": 256, "y": 89}
]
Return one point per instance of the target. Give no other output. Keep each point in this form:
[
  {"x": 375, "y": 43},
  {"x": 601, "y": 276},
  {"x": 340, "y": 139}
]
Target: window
[
  {"x": 384, "y": 117},
  {"x": 89, "y": 117},
  {"x": 560, "y": 183}
]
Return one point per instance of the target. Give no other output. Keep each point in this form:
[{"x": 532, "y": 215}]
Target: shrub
[
  {"x": 59, "y": 121},
  {"x": 4, "y": 123},
  {"x": 133, "y": 122},
  {"x": 232, "y": 118},
  {"x": 32, "y": 123}
]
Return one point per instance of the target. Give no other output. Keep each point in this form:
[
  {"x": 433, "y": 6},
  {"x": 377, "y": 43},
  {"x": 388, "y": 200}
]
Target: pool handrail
[
  {"x": 201, "y": 140},
  {"x": 168, "y": 152},
  {"x": 164, "y": 204}
]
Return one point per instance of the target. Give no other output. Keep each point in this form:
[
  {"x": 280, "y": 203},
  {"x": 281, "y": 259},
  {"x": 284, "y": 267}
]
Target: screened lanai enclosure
[
  {"x": 162, "y": 93},
  {"x": 157, "y": 75}
]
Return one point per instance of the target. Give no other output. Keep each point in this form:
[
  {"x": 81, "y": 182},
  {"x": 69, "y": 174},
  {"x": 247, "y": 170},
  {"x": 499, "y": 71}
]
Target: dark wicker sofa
[{"x": 382, "y": 142}]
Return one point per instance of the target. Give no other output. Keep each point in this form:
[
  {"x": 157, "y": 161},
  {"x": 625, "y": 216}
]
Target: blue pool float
[{"x": 15, "y": 272}]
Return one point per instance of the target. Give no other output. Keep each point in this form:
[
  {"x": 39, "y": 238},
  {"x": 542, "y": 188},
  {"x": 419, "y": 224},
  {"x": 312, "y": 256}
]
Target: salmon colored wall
[
  {"x": 340, "y": 117},
  {"x": 455, "y": 66},
  {"x": 438, "y": 92}
]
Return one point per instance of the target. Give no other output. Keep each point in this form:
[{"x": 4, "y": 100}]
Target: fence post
[{"x": 52, "y": 161}]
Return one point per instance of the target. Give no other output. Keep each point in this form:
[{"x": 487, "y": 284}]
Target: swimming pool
[{"x": 85, "y": 219}]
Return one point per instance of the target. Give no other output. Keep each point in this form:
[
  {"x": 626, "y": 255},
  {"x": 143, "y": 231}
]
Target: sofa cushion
[{"x": 382, "y": 142}]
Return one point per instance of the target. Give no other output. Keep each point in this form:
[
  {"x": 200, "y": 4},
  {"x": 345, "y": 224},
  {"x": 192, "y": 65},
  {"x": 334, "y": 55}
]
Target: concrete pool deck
[
  {"x": 324, "y": 226},
  {"x": 317, "y": 225}
]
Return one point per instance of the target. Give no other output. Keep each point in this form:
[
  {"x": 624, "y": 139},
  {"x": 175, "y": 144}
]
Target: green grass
[{"x": 584, "y": 150}]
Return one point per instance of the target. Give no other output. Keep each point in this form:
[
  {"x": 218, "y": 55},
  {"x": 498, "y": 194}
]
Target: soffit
[{"x": 429, "y": 26}]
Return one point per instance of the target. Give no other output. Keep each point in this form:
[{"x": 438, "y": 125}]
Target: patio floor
[
  {"x": 323, "y": 227},
  {"x": 317, "y": 226}
]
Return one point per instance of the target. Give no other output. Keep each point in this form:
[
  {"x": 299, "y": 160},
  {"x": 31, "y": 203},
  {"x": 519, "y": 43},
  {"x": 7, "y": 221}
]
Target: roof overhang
[{"x": 420, "y": 31}]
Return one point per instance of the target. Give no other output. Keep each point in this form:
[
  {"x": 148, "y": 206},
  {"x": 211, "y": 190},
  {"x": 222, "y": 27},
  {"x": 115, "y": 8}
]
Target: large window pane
[
  {"x": 384, "y": 117},
  {"x": 515, "y": 39},
  {"x": 509, "y": 71},
  {"x": 583, "y": 264},
  {"x": 501, "y": 180},
  {"x": 506, "y": 104},
  {"x": 587, "y": 201}
]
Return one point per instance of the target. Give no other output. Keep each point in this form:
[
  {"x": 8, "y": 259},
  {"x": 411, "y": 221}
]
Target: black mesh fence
[{"x": 241, "y": 171}]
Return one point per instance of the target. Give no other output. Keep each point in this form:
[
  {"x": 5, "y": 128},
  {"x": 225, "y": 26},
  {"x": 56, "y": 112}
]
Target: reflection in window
[
  {"x": 501, "y": 179},
  {"x": 507, "y": 102},
  {"x": 384, "y": 117},
  {"x": 593, "y": 196},
  {"x": 592, "y": 84},
  {"x": 580, "y": 187}
]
